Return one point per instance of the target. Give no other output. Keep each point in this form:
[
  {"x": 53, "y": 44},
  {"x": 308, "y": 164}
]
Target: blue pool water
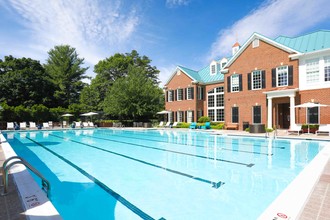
[{"x": 155, "y": 174}]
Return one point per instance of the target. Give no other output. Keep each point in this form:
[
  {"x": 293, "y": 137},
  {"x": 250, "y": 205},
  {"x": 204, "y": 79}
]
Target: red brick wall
[
  {"x": 265, "y": 57},
  {"x": 182, "y": 81},
  {"x": 321, "y": 96}
]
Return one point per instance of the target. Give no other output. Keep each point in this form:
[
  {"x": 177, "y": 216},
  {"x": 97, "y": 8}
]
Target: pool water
[{"x": 162, "y": 174}]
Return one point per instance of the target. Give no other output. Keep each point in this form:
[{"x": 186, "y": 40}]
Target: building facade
[{"x": 261, "y": 83}]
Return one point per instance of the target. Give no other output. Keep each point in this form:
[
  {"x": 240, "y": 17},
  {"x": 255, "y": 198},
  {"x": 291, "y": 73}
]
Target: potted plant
[{"x": 312, "y": 128}]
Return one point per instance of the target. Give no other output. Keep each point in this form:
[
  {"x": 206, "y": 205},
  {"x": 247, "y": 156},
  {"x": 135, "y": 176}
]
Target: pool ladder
[{"x": 18, "y": 160}]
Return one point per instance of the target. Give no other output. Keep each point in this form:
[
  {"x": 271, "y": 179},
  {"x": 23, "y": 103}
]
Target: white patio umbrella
[
  {"x": 89, "y": 114},
  {"x": 67, "y": 115},
  {"x": 310, "y": 105},
  {"x": 163, "y": 112}
]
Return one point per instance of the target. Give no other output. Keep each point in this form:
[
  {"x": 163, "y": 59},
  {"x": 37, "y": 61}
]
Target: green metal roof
[
  {"x": 203, "y": 75},
  {"x": 318, "y": 40}
]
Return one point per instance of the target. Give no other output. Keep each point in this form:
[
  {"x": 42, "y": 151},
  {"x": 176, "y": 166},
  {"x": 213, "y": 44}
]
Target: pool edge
[
  {"x": 33, "y": 199},
  {"x": 291, "y": 202}
]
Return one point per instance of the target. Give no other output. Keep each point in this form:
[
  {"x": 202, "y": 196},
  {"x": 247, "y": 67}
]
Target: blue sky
[{"x": 190, "y": 33}]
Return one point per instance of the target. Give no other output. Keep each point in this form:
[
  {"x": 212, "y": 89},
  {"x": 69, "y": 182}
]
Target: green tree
[
  {"x": 89, "y": 99},
  {"x": 23, "y": 81},
  {"x": 66, "y": 73},
  {"x": 134, "y": 97},
  {"x": 115, "y": 67}
]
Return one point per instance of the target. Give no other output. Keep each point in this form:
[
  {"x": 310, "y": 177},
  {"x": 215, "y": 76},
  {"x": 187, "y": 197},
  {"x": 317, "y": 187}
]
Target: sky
[{"x": 190, "y": 33}]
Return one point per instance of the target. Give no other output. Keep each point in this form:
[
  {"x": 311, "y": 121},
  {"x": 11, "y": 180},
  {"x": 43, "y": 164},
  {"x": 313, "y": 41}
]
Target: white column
[
  {"x": 270, "y": 113},
  {"x": 292, "y": 112}
]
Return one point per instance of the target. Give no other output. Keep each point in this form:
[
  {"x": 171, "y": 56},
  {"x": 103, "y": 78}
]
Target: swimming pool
[{"x": 155, "y": 174}]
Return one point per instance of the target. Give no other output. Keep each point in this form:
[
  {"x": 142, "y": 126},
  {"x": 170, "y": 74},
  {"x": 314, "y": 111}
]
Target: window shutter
[
  {"x": 263, "y": 79},
  {"x": 274, "y": 77},
  {"x": 192, "y": 92},
  {"x": 290, "y": 75},
  {"x": 174, "y": 98},
  {"x": 184, "y": 94},
  {"x": 249, "y": 81},
  {"x": 202, "y": 88},
  {"x": 240, "y": 82},
  {"x": 166, "y": 96},
  {"x": 228, "y": 84}
]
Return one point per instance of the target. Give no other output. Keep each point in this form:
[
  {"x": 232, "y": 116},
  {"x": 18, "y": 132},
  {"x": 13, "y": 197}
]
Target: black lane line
[
  {"x": 115, "y": 195},
  {"x": 208, "y": 140},
  {"x": 201, "y": 146},
  {"x": 172, "y": 151},
  {"x": 214, "y": 184}
]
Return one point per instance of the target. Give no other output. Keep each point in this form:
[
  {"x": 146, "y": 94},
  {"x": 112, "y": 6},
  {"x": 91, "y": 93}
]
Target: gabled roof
[
  {"x": 317, "y": 40},
  {"x": 201, "y": 76},
  {"x": 263, "y": 38}
]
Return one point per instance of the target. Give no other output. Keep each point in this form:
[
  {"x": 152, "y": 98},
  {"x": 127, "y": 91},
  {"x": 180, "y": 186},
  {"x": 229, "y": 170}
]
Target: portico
[{"x": 280, "y": 113}]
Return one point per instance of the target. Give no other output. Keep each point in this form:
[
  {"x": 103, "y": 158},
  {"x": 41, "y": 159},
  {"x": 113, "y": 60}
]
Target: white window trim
[
  {"x": 189, "y": 98},
  {"x": 215, "y": 108},
  {"x": 170, "y": 91},
  {"x": 177, "y": 95},
  {"x": 200, "y": 92},
  {"x": 319, "y": 71},
  {"x": 255, "y": 43},
  {"x": 252, "y": 81},
  {"x": 231, "y": 84},
  {"x": 287, "y": 76}
]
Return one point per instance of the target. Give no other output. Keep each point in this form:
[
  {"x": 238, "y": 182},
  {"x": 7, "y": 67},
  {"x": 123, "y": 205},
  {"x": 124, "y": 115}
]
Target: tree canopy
[
  {"x": 116, "y": 67},
  {"x": 134, "y": 97},
  {"x": 65, "y": 72},
  {"x": 23, "y": 81}
]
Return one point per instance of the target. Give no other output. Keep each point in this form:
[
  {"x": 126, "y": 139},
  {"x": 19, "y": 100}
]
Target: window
[
  {"x": 210, "y": 102},
  {"x": 220, "y": 100},
  {"x": 215, "y": 104},
  {"x": 170, "y": 95},
  {"x": 256, "y": 114},
  {"x": 190, "y": 116},
  {"x": 312, "y": 71},
  {"x": 223, "y": 64},
  {"x": 220, "y": 114},
  {"x": 255, "y": 43},
  {"x": 179, "y": 94},
  {"x": 235, "y": 83},
  {"x": 256, "y": 79},
  {"x": 313, "y": 115},
  {"x": 213, "y": 69},
  {"x": 327, "y": 69},
  {"x": 234, "y": 115},
  {"x": 200, "y": 93},
  {"x": 282, "y": 75},
  {"x": 170, "y": 116},
  {"x": 179, "y": 116},
  {"x": 211, "y": 114},
  {"x": 199, "y": 113},
  {"x": 190, "y": 93}
]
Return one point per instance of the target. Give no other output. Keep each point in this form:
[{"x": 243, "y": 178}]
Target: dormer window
[
  {"x": 212, "y": 69},
  {"x": 255, "y": 43}
]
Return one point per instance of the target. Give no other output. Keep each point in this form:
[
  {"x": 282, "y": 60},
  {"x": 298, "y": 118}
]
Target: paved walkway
[{"x": 316, "y": 208}]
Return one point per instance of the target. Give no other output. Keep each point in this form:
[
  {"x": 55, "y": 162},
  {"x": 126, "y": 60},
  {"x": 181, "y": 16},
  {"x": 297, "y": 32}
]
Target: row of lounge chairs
[
  {"x": 297, "y": 129},
  {"x": 45, "y": 125},
  {"x": 193, "y": 125},
  {"x": 168, "y": 124}
]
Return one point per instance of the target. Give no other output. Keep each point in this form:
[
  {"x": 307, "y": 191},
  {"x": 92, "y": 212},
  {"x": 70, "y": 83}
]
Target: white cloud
[
  {"x": 92, "y": 27},
  {"x": 165, "y": 73},
  {"x": 273, "y": 18},
  {"x": 176, "y": 3}
]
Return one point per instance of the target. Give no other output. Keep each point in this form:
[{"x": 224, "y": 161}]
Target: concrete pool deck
[{"x": 316, "y": 206}]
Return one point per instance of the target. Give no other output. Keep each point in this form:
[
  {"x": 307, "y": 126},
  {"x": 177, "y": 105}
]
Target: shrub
[
  {"x": 203, "y": 119},
  {"x": 269, "y": 129},
  {"x": 247, "y": 129},
  {"x": 183, "y": 125},
  {"x": 217, "y": 125}
]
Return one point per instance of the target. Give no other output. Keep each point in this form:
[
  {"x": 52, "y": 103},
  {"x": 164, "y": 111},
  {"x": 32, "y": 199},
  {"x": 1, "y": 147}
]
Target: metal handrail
[{"x": 6, "y": 166}]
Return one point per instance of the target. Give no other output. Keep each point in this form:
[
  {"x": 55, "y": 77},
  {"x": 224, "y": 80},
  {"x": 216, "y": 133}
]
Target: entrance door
[{"x": 284, "y": 115}]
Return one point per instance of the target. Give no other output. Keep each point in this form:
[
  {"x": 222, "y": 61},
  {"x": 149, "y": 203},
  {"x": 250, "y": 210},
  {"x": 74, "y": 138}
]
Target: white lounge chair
[
  {"x": 78, "y": 124},
  {"x": 174, "y": 124},
  {"x": 323, "y": 129},
  {"x": 161, "y": 124},
  {"x": 10, "y": 125},
  {"x": 91, "y": 124},
  {"x": 296, "y": 128},
  {"x": 168, "y": 124},
  {"x": 45, "y": 125},
  {"x": 85, "y": 124},
  {"x": 64, "y": 124},
  {"x": 50, "y": 123},
  {"x": 22, "y": 125},
  {"x": 32, "y": 125}
]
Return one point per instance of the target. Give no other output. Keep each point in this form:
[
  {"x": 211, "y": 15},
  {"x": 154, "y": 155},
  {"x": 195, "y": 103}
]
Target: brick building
[{"x": 261, "y": 83}]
